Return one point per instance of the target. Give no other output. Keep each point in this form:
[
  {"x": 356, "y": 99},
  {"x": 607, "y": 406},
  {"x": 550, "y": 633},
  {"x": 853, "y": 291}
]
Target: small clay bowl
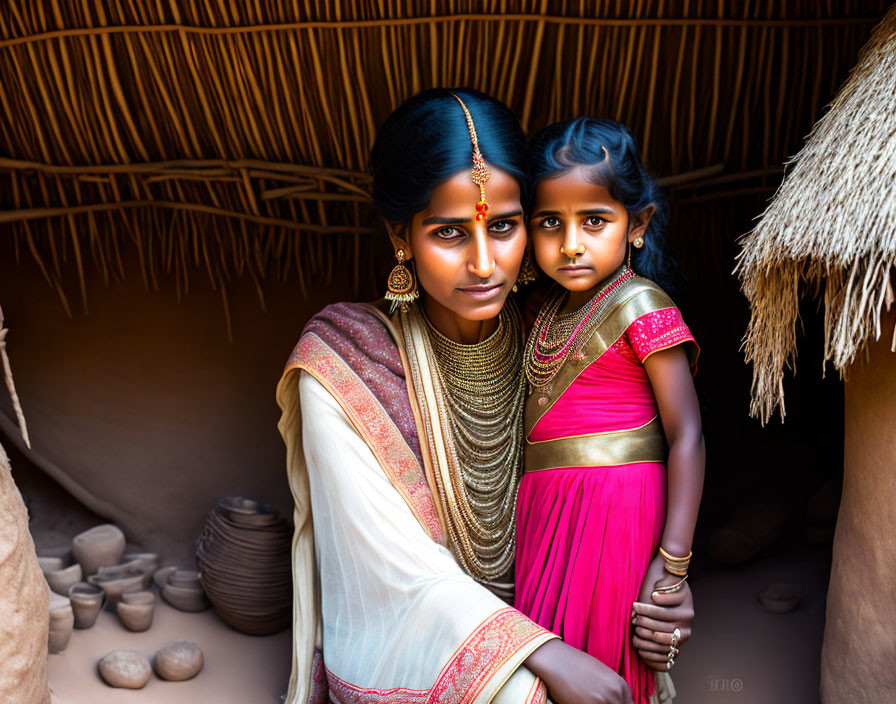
[
  {"x": 62, "y": 620},
  {"x": 101, "y": 545},
  {"x": 117, "y": 584},
  {"x": 160, "y": 576},
  {"x": 135, "y": 617},
  {"x": 50, "y": 563},
  {"x": 61, "y": 579},
  {"x": 184, "y": 598},
  {"x": 184, "y": 578},
  {"x": 87, "y": 602},
  {"x": 145, "y": 598},
  {"x": 147, "y": 562}
]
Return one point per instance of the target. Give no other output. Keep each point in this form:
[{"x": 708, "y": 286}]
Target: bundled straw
[{"x": 831, "y": 226}]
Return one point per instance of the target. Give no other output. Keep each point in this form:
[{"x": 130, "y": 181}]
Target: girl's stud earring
[{"x": 639, "y": 242}]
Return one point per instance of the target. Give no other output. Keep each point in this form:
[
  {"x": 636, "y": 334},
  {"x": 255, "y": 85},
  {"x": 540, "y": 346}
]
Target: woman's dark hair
[
  {"x": 426, "y": 141},
  {"x": 609, "y": 154}
]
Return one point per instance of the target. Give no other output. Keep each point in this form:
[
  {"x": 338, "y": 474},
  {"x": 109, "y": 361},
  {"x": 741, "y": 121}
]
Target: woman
[{"x": 404, "y": 434}]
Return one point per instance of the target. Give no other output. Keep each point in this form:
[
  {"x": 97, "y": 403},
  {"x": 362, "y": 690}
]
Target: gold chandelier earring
[
  {"x": 402, "y": 286},
  {"x": 528, "y": 272}
]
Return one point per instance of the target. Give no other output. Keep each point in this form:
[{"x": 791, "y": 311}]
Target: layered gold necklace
[
  {"x": 555, "y": 336},
  {"x": 479, "y": 391}
]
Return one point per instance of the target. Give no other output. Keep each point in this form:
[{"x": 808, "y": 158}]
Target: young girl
[{"x": 614, "y": 454}]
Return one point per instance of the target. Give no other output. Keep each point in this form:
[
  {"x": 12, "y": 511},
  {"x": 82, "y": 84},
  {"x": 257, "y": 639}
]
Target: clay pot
[
  {"x": 160, "y": 577},
  {"x": 146, "y": 598},
  {"x": 135, "y": 617},
  {"x": 185, "y": 598},
  {"x": 125, "y": 668},
  {"x": 62, "y": 620},
  {"x": 147, "y": 562},
  {"x": 184, "y": 578},
  {"x": 50, "y": 563},
  {"x": 61, "y": 579},
  {"x": 178, "y": 661},
  {"x": 87, "y": 602},
  {"x": 101, "y": 545},
  {"x": 243, "y": 555},
  {"x": 117, "y": 583}
]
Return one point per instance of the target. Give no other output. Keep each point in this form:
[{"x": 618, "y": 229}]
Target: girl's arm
[{"x": 676, "y": 399}]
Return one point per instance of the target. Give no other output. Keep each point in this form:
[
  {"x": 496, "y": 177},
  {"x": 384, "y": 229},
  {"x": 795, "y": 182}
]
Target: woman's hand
[
  {"x": 656, "y": 616},
  {"x": 574, "y": 677}
]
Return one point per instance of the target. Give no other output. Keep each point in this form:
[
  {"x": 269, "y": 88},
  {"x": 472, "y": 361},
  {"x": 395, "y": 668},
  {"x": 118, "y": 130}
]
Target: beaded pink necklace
[{"x": 554, "y": 336}]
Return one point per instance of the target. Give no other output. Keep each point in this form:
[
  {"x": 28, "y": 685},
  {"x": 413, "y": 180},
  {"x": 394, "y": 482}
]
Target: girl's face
[
  {"x": 466, "y": 268},
  {"x": 580, "y": 233}
]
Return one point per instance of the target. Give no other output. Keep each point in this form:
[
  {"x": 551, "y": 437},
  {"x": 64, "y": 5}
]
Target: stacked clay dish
[
  {"x": 243, "y": 554},
  {"x": 97, "y": 572},
  {"x": 181, "y": 589}
]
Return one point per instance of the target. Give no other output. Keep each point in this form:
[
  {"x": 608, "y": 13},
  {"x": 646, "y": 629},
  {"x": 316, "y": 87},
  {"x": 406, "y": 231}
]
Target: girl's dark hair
[
  {"x": 610, "y": 155},
  {"x": 426, "y": 141}
]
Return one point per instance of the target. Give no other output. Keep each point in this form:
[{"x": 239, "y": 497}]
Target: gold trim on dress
[{"x": 646, "y": 443}]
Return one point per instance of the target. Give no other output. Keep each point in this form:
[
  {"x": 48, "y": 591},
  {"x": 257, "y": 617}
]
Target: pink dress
[{"x": 585, "y": 535}]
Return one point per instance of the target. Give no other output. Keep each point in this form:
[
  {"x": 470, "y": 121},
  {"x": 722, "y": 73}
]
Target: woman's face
[{"x": 466, "y": 268}]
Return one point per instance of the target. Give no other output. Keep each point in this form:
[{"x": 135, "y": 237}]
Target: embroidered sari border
[
  {"x": 375, "y": 426},
  {"x": 487, "y": 650}
]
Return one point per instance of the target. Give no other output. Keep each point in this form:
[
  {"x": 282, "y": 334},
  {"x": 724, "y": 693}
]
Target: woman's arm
[
  {"x": 676, "y": 399},
  {"x": 574, "y": 677}
]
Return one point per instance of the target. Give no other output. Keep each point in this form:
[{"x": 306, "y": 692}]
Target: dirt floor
[
  {"x": 742, "y": 653},
  {"x": 238, "y": 669},
  {"x": 739, "y": 652}
]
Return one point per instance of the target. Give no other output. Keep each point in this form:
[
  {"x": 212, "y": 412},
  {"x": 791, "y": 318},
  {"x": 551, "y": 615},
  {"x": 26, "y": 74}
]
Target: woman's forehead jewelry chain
[{"x": 480, "y": 173}]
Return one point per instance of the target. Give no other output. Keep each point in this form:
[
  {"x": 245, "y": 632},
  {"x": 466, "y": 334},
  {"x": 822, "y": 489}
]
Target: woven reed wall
[{"x": 232, "y": 136}]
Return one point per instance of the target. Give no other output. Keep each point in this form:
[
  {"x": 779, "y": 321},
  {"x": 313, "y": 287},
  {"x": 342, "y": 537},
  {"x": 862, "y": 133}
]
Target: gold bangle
[
  {"x": 673, "y": 558},
  {"x": 676, "y": 565}
]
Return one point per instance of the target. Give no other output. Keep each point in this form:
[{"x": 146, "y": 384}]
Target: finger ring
[{"x": 676, "y": 636}]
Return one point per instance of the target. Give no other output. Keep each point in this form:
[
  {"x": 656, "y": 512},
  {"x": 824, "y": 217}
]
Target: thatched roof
[
  {"x": 233, "y": 137},
  {"x": 830, "y": 227}
]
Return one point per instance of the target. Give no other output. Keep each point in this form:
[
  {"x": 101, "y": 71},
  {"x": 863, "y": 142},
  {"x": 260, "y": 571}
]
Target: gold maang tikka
[{"x": 480, "y": 173}]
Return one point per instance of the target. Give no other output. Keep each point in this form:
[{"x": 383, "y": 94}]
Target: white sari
[{"x": 375, "y": 591}]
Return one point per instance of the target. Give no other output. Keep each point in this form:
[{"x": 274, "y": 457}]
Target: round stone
[
  {"x": 127, "y": 669},
  {"x": 779, "y": 598},
  {"x": 542, "y": 400},
  {"x": 178, "y": 661}
]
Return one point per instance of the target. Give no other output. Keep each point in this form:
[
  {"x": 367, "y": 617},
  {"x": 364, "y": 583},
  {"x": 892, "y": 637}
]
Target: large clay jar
[
  {"x": 24, "y": 600},
  {"x": 87, "y": 602},
  {"x": 62, "y": 620},
  {"x": 99, "y": 546},
  {"x": 243, "y": 556}
]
